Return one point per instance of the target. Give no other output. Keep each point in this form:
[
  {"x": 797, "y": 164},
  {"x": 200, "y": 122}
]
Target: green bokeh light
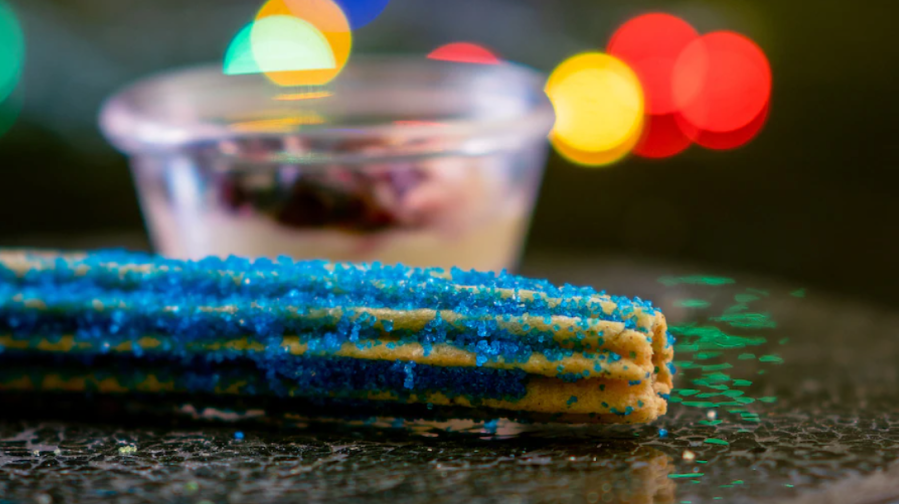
[
  {"x": 9, "y": 111},
  {"x": 12, "y": 50},
  {"x": 239, "y": 56},
  {"x": 278, "y": 44}
]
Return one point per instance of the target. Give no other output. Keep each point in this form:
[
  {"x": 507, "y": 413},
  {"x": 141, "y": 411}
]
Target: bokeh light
[
  {"x": 721, "y": 82},
  {"x": 12, "y": 50},
  {"x": 285, "y": 44},
  {"x": 599, "y": 108},
  {"x": 664, "y": 135},
  {"x": 239, "y": 57},
  {"x": 362, "y": 12},
  {"x": 593, "y": 158},
  {"x": 464, "y": 52},
  {"x": 330, "y": 20},
  {"x": 10, "y": 109},
  {"x": 293, "y": 42},
  {"x": 650, "y": 44},
  {"x": 728, "y": 139},
  {"x": 659, "y": 88}
]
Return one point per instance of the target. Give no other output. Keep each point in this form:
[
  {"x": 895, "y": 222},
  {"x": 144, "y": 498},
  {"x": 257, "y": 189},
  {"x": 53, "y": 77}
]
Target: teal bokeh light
[{"x": 12, "y": 50}]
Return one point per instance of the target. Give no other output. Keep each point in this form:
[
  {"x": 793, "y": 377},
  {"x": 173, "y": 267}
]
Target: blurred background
[{"x": 810, "y": 198}]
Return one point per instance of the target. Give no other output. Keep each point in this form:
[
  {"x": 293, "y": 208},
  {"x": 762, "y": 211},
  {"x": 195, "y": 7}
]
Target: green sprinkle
[
  {"x": 737, "y": 308},
  {"x": 687, "y": 392},
  {"x": 737, "y": 482},
  {"x": 771, "y": 358},
  {"x": 748, "y": 320},
  {"x": 685, "y": 364},
  {"x": 633, "y": 354},
  {"x": 717, "y": 367},
  {"x": 761, "y": 371},
  {"x": 742, "y": 383},
  {"x": 706, "y": 355},
  {"x": 788, "y": 485},
  {"x": 716, "y": 441},
  {"x": 744, "y": 400},
  {"x": 783, "y": 341},
  {"x": 675, "y": 399},
  {"x": 707, "y": 395},
  {"x": 671, "y": 281},
  {"x": 767, "y": 399},
  {"x": 688, "y": 475},
  {"x": 700, "y": 404},
  {"x": 693, "y": 303},
  {"x": 718, "y": 377},
  {"x": 760, "y": 292},
  {"x": 745, "y": 298},
  {"x": 702, "y": 461},
  {"x": 746, "y": 356},
  {"x": 726, "y": 486},
  {"x": 719, "y": 387},
  {"x": 711, "y": 338},
  {"x": 710, "y": 422},
  {"x": 127, "y": 450},
  {"x": 716, "y": 498},
  {"x": 800, "y": 293}
]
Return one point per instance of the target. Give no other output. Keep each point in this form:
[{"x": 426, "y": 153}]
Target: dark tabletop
[{"x": 784, "y": 394}]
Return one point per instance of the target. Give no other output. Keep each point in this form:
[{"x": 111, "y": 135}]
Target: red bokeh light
[
  {"x": 721, "y": 82},
  {"x": 728, "y": 139},
  {"x": 464, "y": 52},
  {"x": 650, "y": 44},
  {"x": 664, "y": 136}
]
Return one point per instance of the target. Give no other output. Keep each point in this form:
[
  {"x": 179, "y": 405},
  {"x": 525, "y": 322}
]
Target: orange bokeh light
[
  {"x": 464, "y": 52},
  {"x": 651, "y": 44},
  {"x": 721, "y": 82},
  {"x": 329, "y": 19}
]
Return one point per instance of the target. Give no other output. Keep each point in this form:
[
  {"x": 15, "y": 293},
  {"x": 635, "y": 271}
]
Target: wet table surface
[{"x": 784, "y": 395}]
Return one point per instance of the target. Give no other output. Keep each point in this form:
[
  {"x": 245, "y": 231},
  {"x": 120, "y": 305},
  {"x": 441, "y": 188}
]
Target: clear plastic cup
[{"x": 399, "y": 160}]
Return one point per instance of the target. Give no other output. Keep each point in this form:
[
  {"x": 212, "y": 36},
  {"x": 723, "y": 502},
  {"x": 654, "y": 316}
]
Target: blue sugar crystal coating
[
  {"x": 266, "y": 296},
  {"x": 340, "y": 284},
  {"x": 284, "y": 375},
  {"x": 216, "y": 300}
]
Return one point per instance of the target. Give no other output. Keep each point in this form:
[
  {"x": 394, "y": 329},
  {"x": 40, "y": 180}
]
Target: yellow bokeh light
[
  {"x": 599, "y": 103},
  {"x": 329, "y": 19},
  {"x": 593, "y": 158}
]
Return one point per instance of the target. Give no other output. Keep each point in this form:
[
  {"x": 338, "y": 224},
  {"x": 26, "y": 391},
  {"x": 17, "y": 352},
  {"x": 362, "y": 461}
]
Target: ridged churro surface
[{"x": 333, "y": 331}]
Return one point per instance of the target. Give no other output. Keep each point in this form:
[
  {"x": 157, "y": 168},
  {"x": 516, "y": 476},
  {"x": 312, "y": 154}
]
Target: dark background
[{"x": 812, "y": 199}]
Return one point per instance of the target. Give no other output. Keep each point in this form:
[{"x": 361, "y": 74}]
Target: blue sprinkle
[
  {"x": 238, "y": 435},
  {"x": 663, "y": 433}
]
